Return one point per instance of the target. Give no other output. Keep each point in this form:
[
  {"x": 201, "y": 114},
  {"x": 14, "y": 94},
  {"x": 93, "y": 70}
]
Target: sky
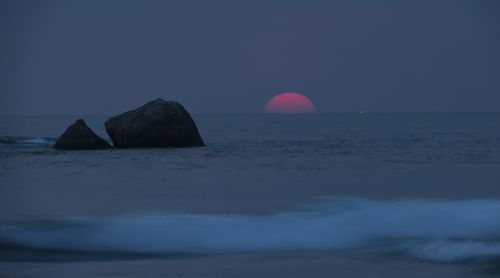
[{"x": 104, "y": 57}]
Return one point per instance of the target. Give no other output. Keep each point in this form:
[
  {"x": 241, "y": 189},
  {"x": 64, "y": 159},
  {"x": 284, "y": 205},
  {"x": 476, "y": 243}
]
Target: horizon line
[{"x": 263, "y": 113}]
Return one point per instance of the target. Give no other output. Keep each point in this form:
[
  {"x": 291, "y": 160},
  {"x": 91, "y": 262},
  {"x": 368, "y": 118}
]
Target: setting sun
[{"x": 290, "y": 103}]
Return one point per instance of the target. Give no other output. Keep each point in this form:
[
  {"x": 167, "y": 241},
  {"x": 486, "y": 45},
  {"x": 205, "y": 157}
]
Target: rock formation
[
  {"x": 79, "y": 136},
  {"x": 156, "y": 124}
]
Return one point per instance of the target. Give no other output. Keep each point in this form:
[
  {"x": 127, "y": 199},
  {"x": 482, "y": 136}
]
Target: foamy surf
[
  {"x": 439, "y": 231},
  {"x": 27, "y": 141}
]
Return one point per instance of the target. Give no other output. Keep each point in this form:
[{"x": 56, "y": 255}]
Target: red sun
[{"x": 290, "y": 103}]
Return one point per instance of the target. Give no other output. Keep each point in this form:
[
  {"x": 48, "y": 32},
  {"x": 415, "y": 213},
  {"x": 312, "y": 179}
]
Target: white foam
[
  {"x": 37, "y": 141},
  {"x": 453, "y": 250},
  {"x": 440, "y": 231}
]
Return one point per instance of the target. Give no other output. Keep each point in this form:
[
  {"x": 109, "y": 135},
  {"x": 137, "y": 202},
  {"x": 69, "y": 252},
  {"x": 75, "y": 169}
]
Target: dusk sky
[{"x": 103, "y": 57}]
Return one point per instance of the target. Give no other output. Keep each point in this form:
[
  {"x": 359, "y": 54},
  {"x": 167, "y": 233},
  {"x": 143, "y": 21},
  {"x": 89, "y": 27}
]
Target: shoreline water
[
  {"x": 293, "y": 264},
  {"x": 438, "y": 231},
  {"x": 258, "y": 167}
]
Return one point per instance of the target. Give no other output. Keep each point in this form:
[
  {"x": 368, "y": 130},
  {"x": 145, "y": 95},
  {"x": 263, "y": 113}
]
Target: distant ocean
[{"x": 422, "y": 187}]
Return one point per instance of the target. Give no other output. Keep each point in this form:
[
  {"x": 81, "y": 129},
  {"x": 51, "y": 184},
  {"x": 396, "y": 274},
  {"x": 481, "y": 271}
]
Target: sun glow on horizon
[{"x": 290, "y": 102}]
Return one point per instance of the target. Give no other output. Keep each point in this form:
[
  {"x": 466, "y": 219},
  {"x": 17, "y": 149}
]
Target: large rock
[
  {"x": 79, "y": 136},
  {"x": 156, "y": 124}
]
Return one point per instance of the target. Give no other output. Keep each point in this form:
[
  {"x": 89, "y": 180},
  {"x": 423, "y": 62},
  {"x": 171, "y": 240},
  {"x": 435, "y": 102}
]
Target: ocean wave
[
  {"x": 27, "y": 141},
  {"x": 439, "y": 231}
]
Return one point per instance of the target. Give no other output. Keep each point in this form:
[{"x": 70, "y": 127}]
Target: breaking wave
[
  {"x": 27, "y": 141},
  {"x": 439, "y": 231}
]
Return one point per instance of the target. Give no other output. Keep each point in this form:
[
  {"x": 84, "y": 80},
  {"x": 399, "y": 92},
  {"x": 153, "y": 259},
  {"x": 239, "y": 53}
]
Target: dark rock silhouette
[
  {"x": 79, "y": 136},
  {"x": 156, "y": 124}
]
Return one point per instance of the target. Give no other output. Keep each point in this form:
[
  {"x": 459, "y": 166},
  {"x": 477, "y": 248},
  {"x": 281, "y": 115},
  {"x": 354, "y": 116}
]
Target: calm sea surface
[{"x": 424, "y": 186}]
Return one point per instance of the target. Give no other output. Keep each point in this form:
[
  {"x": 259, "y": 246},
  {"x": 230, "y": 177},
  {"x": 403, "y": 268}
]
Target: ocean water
[{"x": 423, "y": 186}]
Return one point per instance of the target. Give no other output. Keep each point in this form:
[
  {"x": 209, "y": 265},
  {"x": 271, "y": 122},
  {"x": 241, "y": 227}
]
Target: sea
[{"x": 270, "y": 195}]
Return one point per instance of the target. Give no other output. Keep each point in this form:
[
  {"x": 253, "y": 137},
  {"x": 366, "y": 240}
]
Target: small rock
[{"x": 79, "y": 136}]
